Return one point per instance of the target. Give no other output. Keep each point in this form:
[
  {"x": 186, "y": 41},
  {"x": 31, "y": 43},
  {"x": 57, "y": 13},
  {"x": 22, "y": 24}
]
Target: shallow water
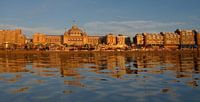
[{"x": 107, "y": 77}]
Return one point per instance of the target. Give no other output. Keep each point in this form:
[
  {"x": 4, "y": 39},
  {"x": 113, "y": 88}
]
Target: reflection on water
[{"x": 92, "y": 76}]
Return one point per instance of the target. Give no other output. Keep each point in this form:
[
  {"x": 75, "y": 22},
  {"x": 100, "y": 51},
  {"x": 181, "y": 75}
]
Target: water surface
[{"x": 107, "y": 77}]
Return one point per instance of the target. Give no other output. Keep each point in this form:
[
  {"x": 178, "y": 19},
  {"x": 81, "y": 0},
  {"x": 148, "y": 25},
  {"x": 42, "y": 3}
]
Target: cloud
[
  {"x": 129, "y": 27},
  {"x": 194, "y": 18}
]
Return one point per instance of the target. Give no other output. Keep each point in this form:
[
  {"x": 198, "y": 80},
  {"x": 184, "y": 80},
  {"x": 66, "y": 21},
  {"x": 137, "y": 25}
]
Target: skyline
[{"x": 99, "y": 16}]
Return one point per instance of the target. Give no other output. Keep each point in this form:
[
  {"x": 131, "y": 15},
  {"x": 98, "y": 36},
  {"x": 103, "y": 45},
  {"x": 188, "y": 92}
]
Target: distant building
[
  {"x": 187, "y": 37},
  {"x": 94, "y": 40},
  {"x": 111, "y": 39},
  {"x": 75, "y": 36},
  {"x": 198, "y": 38},
  {"x": 171, "y": 40},
  {"x": 153, "y": 39},
  {"x": 39, "y": 38},
  {"x": 120, "y": 39},
  {"x": 54, "y": 39},
  {"x": 139, "y": 39},
  {"x": 12, "y": 37}
]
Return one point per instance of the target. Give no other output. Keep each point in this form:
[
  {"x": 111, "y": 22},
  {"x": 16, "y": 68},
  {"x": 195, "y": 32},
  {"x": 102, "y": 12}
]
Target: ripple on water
[{"x": 100, "y": 76}]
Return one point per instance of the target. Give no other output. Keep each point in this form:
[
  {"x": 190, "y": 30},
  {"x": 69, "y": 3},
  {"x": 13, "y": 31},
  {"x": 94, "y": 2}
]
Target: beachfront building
[
  {"x": 39, "y": 38},
  {"x": 12, "y": 38},
  {"x": 187, "y": 38},
  {"x": 198, "y": 39},
  {"x": 171, "y": 40},
  {"x": 75, "y": 36},
  {"x": 94, "y": 40},
  {"x": 153, "y": 40},
  {"x": 139, "y": 40},
  {"x": 54, "y": 39},
  {"x": 120, "y": 40},
  {"x": 111, "y": 39}
]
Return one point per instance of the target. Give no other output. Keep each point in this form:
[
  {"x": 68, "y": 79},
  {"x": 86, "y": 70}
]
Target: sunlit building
[
  {"x": 120, "y": 39},
  {"x": 12, "y": 37},
  {"x": 153, "y": 39},
  {"x": 40, "y": 38},
  {"x": 171, "y": 40},
  {"x": 198, "y": 38},
  {"x": 75, "y": 36},
  {"x": 94, "y": 40},
  {"x": 54, "y": 39},
  {"x": 139, "y": 39},
  {"x": 187, "y": 37},
  {"x": 111, "y": 39}
]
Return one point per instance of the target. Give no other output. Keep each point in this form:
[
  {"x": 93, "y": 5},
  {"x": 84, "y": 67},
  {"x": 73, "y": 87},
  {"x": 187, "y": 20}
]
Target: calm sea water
[{"x": 104, "y": 77}]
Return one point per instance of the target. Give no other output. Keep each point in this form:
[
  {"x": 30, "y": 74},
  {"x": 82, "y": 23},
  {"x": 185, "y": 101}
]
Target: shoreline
[{"x": 138, "y": 51}]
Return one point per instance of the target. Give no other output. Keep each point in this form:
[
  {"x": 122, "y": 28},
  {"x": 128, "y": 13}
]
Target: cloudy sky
[{"x": 99, "y": 17}]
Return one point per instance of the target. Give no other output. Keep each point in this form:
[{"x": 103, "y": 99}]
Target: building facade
[
  {"x": 75, "y": 36},
  {"x": 153, "y": 39},
  {"x": 94, "y": 40},
  {"x": 187, "y": 37},
  {"x": 171, "y": 40},
  {"x": 198, "y": 39},
  {"x": 54, "y": 39},
  {"x": 111, "y": 39},
  {"x": 120, "y": 39},
  {"x": 40, "y": 38},
  {"x": 139, "y": 39},
  {"x": 12, "y": 38}
]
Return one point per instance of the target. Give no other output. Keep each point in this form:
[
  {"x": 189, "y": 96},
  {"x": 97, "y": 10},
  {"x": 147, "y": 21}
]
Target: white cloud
[
  {"x": 194, "y": 18},
  {"x": 129, "y": 27}
]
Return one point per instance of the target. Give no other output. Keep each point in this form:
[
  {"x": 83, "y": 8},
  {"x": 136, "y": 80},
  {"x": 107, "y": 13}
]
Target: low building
[
  {"x": 75, "y": 36},
  {"x": 187, "y": 38},
  {"x": 39, "y": 38},
  {"x": 12, "y": 38},
  {"x": 111, "y": 39},
  {"x": 139, "y": 39},
  {"x": 121, "y": 40},
  {"x": 152, "y": 39},
  {"x": 93, "y": 40},
  {"x": 198, "y": 39},
  {"x": 54, "y": 39},
  {"x": 171, "y": 40}
]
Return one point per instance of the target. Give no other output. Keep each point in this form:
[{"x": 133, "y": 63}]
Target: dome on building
[{"x": 75, "y": 31}]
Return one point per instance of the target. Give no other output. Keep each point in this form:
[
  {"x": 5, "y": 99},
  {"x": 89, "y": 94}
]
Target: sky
[{"x": 100, "y": 17}]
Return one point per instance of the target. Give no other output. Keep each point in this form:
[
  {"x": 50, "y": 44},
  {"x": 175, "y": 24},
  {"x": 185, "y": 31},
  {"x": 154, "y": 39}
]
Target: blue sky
[{"x": 99, "y": 17}]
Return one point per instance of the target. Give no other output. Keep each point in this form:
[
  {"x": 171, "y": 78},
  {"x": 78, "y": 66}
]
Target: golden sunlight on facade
[
  {"x": 39, "y": 38},
  {"x": 74, "y": 36},
  {"x": 153, "y": 39},
  {"x": 10, "y": 38},
  {"x": 171, "y": 40}
]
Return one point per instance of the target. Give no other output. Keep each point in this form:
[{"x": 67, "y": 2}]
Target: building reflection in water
[{"x": 115, "y": 65}]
